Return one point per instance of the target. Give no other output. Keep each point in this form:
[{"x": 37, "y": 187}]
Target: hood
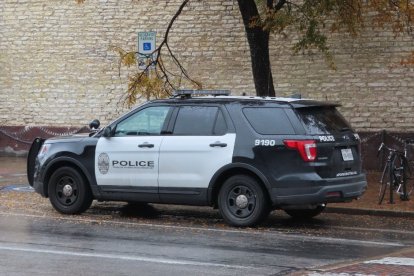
[{"x": 67, "y": 139}]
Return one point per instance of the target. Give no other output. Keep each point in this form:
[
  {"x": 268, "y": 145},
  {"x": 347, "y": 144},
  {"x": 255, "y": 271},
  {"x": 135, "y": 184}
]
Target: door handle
[
  {"x": 218, "y": 144},
  {"x": 146, "y": 145}
]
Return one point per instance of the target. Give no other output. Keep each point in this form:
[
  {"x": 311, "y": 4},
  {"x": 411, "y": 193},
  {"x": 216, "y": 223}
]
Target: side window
[
  {"x": 195, "y": 120},
  {"x": 221, "y": 127},
  {"x": 268, "y": 120},
  {"x": 148, "y": 121}
]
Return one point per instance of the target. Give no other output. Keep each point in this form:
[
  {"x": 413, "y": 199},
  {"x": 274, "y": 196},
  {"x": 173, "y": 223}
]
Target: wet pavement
[
  {"x": 92, "y": 247},
  {"x": 114, "y": 238},
  {"x": 12, "y": 171}
]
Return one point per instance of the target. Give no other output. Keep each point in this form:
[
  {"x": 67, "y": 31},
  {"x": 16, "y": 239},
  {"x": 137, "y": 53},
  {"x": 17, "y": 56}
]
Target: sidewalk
[
  {"x": 13, "y": 172},
  {"x": 368, "y": 203}
]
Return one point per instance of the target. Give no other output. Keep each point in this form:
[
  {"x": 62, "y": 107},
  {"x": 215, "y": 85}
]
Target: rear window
[
  {"x": 322, "y": 120},
  {"x": 268, "y": 120}
]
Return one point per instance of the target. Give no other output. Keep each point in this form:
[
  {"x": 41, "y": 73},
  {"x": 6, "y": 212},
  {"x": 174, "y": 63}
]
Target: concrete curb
[{"x": 370, "y": 212}]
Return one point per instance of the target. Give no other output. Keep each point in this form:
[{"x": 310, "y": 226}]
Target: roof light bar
[{"x": 189, "y": 93}]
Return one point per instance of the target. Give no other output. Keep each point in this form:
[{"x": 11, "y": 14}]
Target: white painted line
[
  {"x": 393, "y": 261},
  {"x": 373, "y": 230},
  {"x": 338, "y": 274},
  {"x": 120, "y": 257}
]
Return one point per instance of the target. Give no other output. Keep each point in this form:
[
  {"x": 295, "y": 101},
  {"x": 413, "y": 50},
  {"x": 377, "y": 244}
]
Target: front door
[{"x": 129, "y": 159}]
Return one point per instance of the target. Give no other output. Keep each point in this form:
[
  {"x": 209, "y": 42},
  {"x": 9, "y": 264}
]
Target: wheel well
[
  {"x": 56, "y": 166},
  {"x": 229, "y": 173}
]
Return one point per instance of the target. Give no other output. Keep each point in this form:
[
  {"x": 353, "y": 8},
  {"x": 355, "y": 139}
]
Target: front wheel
[
  {"x": 305, "y": 213},
  {"x": 242, "y": 201},
  {"x": 384, "y": 182},
  {"x": 69, "y": 192}
]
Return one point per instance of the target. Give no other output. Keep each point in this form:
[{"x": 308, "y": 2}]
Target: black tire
[
  {"x": 69, "y": 193},
  {"x": 410, "y": 177},
  {"x": 384, "y": 182},
  {"x": 242, "y": 201},
  {"x": 303, "y": 214},
  {"x": 408, "y": 181}
]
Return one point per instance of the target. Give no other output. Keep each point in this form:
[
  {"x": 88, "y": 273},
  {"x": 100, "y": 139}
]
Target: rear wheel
[
  {"x": 242, "y": 201},
  {"x": 384, "y": 182},
  {"x": 69, "y": 192},
  {"x": 409, "y": 178},
  {"x": 305, "y": 213}
]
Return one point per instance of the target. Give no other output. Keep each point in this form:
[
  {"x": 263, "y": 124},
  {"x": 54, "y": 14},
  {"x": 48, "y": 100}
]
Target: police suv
[{"x": 244, "y": 155}]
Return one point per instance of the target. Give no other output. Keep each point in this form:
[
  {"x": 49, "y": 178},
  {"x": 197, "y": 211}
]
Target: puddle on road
[
  {"x": 12, "y": 165},
  {"x": 12, "y": 171},
  {"x": 16, "y": 188}
]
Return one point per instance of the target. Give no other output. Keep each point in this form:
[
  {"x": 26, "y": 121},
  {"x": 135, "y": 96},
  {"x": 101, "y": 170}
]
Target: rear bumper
[{"x": 322, "y": 191}]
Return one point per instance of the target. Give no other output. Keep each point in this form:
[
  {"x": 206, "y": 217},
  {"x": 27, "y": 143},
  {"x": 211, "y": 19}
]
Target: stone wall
[{"x": 56, "y": 68}]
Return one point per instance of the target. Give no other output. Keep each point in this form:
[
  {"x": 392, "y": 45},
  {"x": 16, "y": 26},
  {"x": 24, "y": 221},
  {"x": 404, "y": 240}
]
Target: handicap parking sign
[
  {"x": 146, "y": 42},
  {"x": 147, "y": 46}
]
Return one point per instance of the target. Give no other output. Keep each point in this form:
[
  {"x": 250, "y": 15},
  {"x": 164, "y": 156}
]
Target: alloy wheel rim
[{"x": 241, "y": 201}]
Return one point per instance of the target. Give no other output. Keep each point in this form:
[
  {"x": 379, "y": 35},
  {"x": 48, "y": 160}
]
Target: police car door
[
  {"x": 200, "y": 144},
  {"x": 129, "y": 158}
]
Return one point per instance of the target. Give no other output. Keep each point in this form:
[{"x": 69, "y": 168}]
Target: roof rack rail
[{"x": 188, "y": 93}]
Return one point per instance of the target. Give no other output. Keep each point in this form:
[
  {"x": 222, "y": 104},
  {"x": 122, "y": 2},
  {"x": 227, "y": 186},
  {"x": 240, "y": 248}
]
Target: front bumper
[{"x": 315, "y": 192}]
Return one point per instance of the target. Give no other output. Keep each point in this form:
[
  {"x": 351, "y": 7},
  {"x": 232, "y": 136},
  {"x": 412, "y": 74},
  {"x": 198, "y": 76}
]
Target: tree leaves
[{"x": 314, "y": 20}]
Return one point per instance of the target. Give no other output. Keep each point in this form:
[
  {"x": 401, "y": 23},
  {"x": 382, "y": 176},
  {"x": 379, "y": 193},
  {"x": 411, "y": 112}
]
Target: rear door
[
  {"x": 337, "y": 145},
  {"x": 200, "y": 144}
]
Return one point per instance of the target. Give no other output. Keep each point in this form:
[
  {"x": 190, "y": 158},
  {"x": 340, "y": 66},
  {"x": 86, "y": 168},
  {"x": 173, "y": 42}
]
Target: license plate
[{"x": 347, "y": 154}]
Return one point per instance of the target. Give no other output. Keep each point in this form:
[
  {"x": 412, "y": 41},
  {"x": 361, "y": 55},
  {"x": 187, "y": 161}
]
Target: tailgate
[
  {"x": 340, "y": 158},
  {"x": 338, "y": 146}
]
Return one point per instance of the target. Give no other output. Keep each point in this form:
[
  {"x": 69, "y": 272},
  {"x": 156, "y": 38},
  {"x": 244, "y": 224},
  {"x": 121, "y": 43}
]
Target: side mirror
[
  {"x": 107, "y": 132},
  {"x": 94, "y": 124}
]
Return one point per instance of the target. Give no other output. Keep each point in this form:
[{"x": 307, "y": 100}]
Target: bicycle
[{"x": 396, "y": 174}]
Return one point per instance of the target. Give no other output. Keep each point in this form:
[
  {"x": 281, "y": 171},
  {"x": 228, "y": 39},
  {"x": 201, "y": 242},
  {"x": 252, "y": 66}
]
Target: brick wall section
[{"x": 56, "y": 69}]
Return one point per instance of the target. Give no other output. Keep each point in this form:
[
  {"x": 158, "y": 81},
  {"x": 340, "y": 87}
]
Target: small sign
[
  {"x": 146, "y": 47},
  {"x": 146, "y": 42}
]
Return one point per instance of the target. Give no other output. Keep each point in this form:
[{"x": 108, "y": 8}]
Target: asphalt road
[
  {"x": 171, "y": 243},
  {"x": 119, "y": 239}
]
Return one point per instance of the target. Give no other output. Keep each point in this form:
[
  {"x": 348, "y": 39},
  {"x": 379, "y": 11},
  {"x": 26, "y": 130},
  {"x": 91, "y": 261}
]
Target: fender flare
[
  {"x": 66, "y": 159},
  {"x": 213, "y": 182}
]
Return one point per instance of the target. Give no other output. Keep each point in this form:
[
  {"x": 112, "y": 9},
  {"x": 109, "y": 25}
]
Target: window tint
[
  {"x": 322, "y": 120},
  {"x": 268, "y": 120},
  {"x": 221, "y": 127},
  {"x": 148, "y": 121},
  {"x": 195, "y": 120}
]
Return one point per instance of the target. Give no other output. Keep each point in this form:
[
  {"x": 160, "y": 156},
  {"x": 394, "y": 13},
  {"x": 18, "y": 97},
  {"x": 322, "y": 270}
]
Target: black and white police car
[{"x": 244, "y": 155}]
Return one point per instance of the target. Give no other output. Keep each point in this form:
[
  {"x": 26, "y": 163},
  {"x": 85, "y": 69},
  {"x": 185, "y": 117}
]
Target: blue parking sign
[{"x": 147, "y": 46}]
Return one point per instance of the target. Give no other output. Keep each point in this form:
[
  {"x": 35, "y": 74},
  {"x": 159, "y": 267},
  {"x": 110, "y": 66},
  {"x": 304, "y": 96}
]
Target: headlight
[{"x": 43, "y": 150}]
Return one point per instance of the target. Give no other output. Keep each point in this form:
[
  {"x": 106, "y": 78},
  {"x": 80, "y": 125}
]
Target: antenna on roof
[{"x": 190, "y": 93}]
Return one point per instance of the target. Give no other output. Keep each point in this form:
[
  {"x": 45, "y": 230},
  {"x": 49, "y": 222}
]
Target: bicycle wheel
[
  {"x": 384, "y": 182},
  {"x": 410, "y": 178}
]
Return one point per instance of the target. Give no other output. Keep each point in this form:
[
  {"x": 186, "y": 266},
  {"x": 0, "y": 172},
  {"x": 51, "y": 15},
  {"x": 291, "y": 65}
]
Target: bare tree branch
[{"x": 169, "y": 78}]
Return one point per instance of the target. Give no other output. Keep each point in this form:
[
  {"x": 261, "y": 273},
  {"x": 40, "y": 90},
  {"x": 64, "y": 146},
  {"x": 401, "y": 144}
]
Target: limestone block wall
[{"x": 56, "y": 68}]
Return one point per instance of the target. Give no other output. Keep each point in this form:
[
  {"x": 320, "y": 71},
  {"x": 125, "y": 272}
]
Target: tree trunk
[{"x": 258, "y": 40}]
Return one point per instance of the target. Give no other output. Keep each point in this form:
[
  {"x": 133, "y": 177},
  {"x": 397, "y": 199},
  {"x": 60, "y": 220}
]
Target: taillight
[{"x": 306, "y": 148}]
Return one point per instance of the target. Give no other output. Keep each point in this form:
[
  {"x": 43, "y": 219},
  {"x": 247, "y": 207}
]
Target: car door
[
  {"x": 200, "y": 144},
  {"x": 129, "y": 159}
]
